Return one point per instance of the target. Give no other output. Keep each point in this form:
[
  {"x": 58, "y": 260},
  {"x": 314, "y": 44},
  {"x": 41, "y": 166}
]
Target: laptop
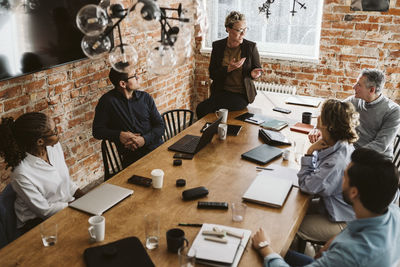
[
  {"x": 191, "y": 144},
  {"x": 262, "y": 154},
  {"x": 304, "y": 101},
  {"x": 101, "y": 199},
  {"x": 268, "y": 190}
]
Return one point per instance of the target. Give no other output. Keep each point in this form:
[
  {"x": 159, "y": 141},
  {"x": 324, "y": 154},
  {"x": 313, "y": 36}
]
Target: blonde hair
[
  {"x": 232, "y": 18},
  {"x": 340, "y": 119}
]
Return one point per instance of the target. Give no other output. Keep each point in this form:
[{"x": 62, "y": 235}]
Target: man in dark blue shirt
[{"x": 128, "y": 117}]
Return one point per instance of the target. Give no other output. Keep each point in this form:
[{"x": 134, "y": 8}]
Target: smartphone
[
  {"x": 140, "y": 180},
  {"x": 182, "y": 156}
]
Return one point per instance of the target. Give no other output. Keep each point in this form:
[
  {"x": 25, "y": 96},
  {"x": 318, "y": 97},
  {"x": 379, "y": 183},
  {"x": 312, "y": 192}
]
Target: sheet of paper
[{"x": 284, "y": 172}]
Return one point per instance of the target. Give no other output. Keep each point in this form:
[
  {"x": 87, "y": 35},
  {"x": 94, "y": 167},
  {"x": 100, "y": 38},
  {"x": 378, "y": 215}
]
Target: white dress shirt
[{"x": 42, "y": 188}]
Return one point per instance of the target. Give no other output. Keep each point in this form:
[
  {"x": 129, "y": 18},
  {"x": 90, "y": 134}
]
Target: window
[{"x": 280, "y": 36}]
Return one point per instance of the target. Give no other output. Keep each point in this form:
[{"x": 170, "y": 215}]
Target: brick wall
[
  {"x": 69, "y": 94},
  {"x": 350, "y": 41}
]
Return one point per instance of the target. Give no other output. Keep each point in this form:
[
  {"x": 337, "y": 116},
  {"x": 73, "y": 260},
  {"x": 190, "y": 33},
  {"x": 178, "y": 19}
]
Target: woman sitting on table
[
  {"x": 234, "y": 63},
  {"x": 322, "y": 169},
  {"x": 40, "y": 177}
]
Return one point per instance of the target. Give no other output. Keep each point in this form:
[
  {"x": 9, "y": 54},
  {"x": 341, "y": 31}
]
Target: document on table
[
  {"x": 283, "y": 172},
  {"x": 220, "y": 254}
]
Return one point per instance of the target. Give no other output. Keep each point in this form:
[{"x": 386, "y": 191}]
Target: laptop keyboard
[{"x": 188, "y": 145}]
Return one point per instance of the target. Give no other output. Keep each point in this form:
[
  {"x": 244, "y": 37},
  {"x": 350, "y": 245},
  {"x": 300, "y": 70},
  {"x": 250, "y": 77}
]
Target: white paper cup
[{"x": 158, "y": 176}]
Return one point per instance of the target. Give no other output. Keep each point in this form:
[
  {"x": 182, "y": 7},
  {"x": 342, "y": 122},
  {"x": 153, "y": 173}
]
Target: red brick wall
[
  {"x": 350, "y": 41},
  {"x": 69, "y": 94}
]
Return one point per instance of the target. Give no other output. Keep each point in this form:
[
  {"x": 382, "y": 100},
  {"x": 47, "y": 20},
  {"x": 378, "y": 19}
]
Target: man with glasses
[
  {"x": 128, "y": 117},
  {"x": 234, "y": 64}
]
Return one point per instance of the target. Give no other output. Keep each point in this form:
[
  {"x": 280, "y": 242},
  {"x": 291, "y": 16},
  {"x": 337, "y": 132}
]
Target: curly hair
[
  {"x": 20, "y": 136},
  {"x": 232, "y": 18},
  {"x": 341, "y": 120}
]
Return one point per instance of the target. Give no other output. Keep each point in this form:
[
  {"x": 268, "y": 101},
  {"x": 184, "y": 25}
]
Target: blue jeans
[{"x": 296, "y": 259}]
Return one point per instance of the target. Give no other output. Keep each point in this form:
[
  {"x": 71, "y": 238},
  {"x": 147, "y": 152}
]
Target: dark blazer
[{"x": 218, "y": 73}]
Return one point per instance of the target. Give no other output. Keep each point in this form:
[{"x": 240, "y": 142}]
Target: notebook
[
  {"x": 304, "y": 101},
  {"x": 273, "y": 138},
  {"x": 262, "y": 154},
  {"x": 100, "y": 199},
  {"x": 273, "y": 124},
  {"x": 268, "y": 190},
  {"x": 219, "y": 254},
  {"x": 192, "y": 144},
  {"x": 302, "y": 127}
]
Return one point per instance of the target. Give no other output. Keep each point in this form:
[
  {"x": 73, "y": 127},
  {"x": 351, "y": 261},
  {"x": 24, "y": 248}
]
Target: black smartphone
[
  {"x": 182, "y": 156},
  {"x": 140, "y": 180}
]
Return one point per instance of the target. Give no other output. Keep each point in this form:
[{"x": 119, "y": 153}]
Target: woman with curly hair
[
  {"x": 322, "y": 169},
  {"x": 40, "y": 177}
]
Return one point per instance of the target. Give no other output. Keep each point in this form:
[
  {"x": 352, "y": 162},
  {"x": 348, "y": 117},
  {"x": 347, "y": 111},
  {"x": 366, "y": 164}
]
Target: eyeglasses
[
  {"x": 131, "y": 77},
  {"x": 241, "y": 31},
  {"x": 55, "y": 132}
]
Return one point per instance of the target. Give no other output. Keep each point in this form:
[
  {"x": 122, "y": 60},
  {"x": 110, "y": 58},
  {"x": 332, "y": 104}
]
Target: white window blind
[{"x": 281, "y": 36}]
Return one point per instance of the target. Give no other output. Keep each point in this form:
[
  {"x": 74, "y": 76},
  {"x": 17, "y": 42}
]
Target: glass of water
[
  {"x": 187, "y": 257},
  {"x": 152, "y": 230},
  {"x": 238, "y": 211},
  {"x": 48, "y": 231}
]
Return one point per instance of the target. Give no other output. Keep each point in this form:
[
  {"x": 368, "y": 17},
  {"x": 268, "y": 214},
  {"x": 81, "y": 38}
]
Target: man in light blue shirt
[{"x": 370, "y": 183}]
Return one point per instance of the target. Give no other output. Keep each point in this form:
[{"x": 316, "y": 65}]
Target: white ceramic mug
[
  {"x": 158, "y": 176},
  {"x": 97, "y": 228},
  {"x": 222, "y": 113},
  {"x": 222, "y": 130}
]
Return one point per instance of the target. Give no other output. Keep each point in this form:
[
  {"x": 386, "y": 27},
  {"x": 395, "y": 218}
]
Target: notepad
[
  {"x": 273, "y": 124},
  {"x": 220, "y": 254},
  {"x": 302, "y": 127},
  {"x": 268, "y": 190}
]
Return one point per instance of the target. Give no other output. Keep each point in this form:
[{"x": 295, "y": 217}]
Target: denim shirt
[
  {"x": 322, "y": 173},
  {"x": 372, "y": 242}
]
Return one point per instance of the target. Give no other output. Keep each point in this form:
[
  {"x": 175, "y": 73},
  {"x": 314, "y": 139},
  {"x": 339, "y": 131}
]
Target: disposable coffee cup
[{"x": 158, "y": 176}]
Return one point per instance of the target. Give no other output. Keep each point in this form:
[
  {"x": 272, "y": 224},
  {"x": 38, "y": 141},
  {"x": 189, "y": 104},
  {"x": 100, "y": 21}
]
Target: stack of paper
[{"x": 219, "y": 254}]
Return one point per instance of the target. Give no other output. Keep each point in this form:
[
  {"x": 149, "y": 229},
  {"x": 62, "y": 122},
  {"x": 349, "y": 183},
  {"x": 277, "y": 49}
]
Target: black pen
[
  {"x": 263, "y": 168},
  {"x": 191, "y": 224}
]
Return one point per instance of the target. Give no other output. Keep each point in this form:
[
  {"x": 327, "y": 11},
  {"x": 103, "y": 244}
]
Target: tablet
[{"x": 232, "y": 128}]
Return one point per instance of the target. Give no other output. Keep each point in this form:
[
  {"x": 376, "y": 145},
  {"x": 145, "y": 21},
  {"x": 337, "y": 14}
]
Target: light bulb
[
  {"x": 140, "y": 24},
  {"x": 161, "y": 59},
  {"x": 123, "y": 57},
  {"x": 95, "y": 46},
  {"x": 92, "y": 20}
]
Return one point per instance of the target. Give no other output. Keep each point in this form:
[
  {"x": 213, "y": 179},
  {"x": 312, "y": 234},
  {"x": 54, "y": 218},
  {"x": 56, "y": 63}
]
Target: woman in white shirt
[{"x": 40, "y": 177}]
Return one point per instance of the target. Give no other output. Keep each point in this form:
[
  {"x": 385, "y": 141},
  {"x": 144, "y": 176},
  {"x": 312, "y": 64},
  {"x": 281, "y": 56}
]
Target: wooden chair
[
  {"x": 396, "y": 151},
  {"x": 175, "y": 121},
  {"x": 112, "y": 160}
]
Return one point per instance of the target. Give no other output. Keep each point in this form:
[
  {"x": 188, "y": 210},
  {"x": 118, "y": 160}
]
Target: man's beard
[{"x": 346, "y": 198}]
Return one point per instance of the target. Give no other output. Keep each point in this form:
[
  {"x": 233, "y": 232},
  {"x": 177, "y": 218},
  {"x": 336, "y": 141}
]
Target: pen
[
  {"x": 191, "y": 224},
  {"x": 263, "y": 168}
]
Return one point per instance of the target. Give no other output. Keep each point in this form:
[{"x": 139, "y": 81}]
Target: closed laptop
[{"x": 262, "y": 154}]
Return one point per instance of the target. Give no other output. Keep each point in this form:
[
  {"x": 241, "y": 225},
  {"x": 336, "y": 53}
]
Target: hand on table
[{"x": 258, "y": 237}]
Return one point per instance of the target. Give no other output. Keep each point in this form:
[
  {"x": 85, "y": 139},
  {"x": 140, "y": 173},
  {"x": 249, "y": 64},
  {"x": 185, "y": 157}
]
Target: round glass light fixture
[
  {"x": 145, "y": 16},
  {"x": 123, "y": 57},
  {"x": 95, "y": 46},
  {"x": 92, "y": 20},
  {"x": 161, "y": 59}
]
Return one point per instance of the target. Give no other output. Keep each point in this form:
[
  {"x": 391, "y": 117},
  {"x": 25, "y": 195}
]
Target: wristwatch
[{"x": 263, "y": 244}]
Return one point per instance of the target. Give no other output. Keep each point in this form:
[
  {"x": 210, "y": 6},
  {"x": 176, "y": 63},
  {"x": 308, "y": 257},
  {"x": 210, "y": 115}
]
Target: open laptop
[
  {"x": 192, "y": 144},
  {"x": 100, "y": 199}
]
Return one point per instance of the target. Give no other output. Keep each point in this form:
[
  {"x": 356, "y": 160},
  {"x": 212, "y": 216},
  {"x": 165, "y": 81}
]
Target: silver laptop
[{"x": 100, "y": 199}]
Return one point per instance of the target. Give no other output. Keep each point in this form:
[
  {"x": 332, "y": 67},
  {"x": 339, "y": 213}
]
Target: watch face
[{"x": 263, "y": 244}]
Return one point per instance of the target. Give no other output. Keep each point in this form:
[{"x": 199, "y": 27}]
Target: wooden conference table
[{"x": 218, "y": 167}]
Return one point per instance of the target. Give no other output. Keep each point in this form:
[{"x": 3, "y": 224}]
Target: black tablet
[{"x": 232, "y": 129}]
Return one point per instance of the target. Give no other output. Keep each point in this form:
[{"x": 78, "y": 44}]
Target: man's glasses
[
  {"x": 241, "y": 31},
  {"x": 131, "y": 77},
  {"x": 54, "y": 132}
]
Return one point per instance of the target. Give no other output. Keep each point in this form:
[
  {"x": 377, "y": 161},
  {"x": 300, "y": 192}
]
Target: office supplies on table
[
  {"x": 212, "y": 205},
  {"x": 140, "y": 180},
  {"x": 263, "y": 168},
  {"x": 284, "y": 172},
  {"x": 191, "y": 224},
  {"x": 252, "y": 118},
  {"x": 233, "y": 129},
  {"x": 269, "y": 190},
  {"x": 282, "y": 110},
  {"x": 273, "y": 124},
  {"x": 191, "y": 144},
  {"x": 303, "y": 100},
  {"x": 122, "y": 253},
  {"x": 220, "y": 254},
  {"x": 194, "y": 193},
  {"x": 273, "y": 138},
  {"x": 101, "y": 199},
  {"x": 302, "y": 128},
  {"x": 262, "y": 154}
]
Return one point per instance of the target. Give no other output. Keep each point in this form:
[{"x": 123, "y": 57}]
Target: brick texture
[
  {"x": 350, "y": 41},
  {"x": 69, "y": 94}
]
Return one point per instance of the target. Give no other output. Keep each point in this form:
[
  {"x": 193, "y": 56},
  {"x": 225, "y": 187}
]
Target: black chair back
[
  {"x": 8, "y": 219},
  {"x": 111, "y": 159},
  {"x": 175, "y": 121},
  {"x": 396, "y": 151}
]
